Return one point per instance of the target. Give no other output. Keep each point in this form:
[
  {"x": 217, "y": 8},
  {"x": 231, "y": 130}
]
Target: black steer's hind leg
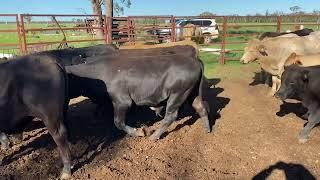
[
  {"x": 173, "y": 105},
  {"x": 201, "y": 109},
  {"x": 120, "y": 111},
  {"x": 314, "y": 119},
  {"x": 59, "y": 134}
]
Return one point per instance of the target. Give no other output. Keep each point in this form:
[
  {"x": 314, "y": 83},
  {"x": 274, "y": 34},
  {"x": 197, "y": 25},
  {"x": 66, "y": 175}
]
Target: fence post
[
  {"x": 133, "y": 32},
  {"x": 108, "y": 29},
  {"x": 19, "y": 34},
  {"x": 129, "y": 24},
  {"x": 23, "y": 34},
  {"x": 173, "y": 29},
  {"x": 223, "y": 41},
  {"x": 279, "y": 19}
]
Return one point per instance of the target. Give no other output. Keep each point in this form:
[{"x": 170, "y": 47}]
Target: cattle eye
[{"x": 291, "y": 83}]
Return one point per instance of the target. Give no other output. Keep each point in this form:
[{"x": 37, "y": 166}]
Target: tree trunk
[
  {"x": 109, "y": 8},
  {"x": 96, "y": 7}
]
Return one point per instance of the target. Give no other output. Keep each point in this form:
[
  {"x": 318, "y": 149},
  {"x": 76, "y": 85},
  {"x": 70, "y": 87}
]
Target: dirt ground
[{"x": 255, "y": 136}]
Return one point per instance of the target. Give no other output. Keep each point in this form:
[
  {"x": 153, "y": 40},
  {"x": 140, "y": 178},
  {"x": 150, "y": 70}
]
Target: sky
[{"x": 160, "y": 7}]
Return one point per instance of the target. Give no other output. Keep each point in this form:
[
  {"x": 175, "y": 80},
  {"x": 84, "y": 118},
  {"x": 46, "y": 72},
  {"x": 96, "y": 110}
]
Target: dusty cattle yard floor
[{"x": 252, "y": 138}]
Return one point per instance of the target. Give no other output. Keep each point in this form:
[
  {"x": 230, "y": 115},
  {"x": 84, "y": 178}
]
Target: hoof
[
  {"x": 5, "y": 146},
  {"x": 154, "y": 138},
  {"x": 305, "y": 116},
  {"x": 65, "y": 175},
  {"x": 208, "y": 130},
  {"x": 303, "y": 140},
  {"x": 139, "y": 133}
]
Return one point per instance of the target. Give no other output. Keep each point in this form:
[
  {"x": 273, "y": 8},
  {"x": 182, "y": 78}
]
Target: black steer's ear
[
  {"x": 262, "y": 50},
  {"x": 305, "y": 75}
]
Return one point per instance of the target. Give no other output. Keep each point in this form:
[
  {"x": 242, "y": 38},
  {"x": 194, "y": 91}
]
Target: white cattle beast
[{"x": 273, "y": 52}]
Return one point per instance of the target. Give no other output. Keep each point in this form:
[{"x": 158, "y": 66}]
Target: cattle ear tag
[{"x": 262, "y": 50}]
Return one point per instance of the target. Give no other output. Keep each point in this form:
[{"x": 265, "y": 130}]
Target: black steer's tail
[{"x": 198, "y": 104}]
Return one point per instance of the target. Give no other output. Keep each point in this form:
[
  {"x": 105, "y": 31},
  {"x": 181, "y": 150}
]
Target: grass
[
  {"x": 48, "y": 36},
  {"x": 210, "y": 60}
]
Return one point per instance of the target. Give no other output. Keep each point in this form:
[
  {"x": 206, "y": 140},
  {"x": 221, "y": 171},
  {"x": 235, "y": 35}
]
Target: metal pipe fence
[{"x": 234, "y": 31}]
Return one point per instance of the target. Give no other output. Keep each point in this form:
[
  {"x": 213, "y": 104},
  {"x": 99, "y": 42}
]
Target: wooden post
[
  {"x": 109, "y": 20},
  {"x": 19, "y": 35},
  {"x": 223, "y": 41},
  {"x": 108, "y": 30},
  {"x": 23, "y": 34},
  {"x": 173, "y": 29},
  {"x": 279, "y": 19},
  {"x": 109, "y": 8}
]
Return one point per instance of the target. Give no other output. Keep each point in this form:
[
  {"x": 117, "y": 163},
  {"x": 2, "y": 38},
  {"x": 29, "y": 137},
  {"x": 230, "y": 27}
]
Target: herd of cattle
[
  {"x": 293, "y": 61},
  {"x": 40, "y": 85}
]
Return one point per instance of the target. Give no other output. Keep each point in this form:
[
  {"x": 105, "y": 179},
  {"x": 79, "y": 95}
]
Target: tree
[
  {"x": 116, "y": 6},
  {"x": 316, "y": 12},
  {"x": 207, "y": 13},
  {"x": 119, "y": 5},
  {"x": 28, "y": 18},
  {"x": 295, "y": 9},
  {"x": 110, "y": 7},
  {"x": 96, "y": 8},
  {"x": 267, "y": 13}
]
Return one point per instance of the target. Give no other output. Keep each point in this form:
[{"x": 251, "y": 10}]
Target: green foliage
[
  {"x": 119, "y": 5},
  {"x": 207, "y": 13}
]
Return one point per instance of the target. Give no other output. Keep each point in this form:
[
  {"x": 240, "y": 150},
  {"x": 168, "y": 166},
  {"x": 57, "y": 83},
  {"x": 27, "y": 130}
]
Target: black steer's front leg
[{"x": 313, "y": 120}]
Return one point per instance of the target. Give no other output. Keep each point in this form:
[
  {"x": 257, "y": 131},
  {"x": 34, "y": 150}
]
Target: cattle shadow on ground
[
  {"x": 296, "y": 108},
  {"x": 291, "y": 171},
  {"x": 20, "y": 148},
  {"x": 99, "y": 133},
  {"x": 260, "y": 78},
  {"x": 25, "y": 149},
  {"x": 102, "y": 131}
]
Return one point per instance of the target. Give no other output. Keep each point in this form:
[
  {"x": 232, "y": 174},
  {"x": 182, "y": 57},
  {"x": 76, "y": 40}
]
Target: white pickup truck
[{"x": 208, "y": 27}]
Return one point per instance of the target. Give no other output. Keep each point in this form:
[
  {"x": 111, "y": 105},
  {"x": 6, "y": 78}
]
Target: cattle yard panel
[
  {"x": 45, "y": 31},
  {"x": 234, "y": 31},
  {"x": 10, "y": 42}
]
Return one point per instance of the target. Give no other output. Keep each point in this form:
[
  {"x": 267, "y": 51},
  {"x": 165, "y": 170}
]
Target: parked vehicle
[{"x": 208, "y": 27}]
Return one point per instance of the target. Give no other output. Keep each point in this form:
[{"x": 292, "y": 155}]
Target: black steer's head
[
  {"x": 80, "y": 59},
  {"x": 293, "y": 81}
]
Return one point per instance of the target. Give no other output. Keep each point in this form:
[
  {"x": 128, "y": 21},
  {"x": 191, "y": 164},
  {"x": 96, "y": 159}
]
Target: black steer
[
  {"x": 95, "y": 90},
  {"x": 78, "y": 86},
  {"x": 148, "y": 80},
  {"x": 73, "y": 56},
  {"x": 301, "y": 32},
  {"x": 35, "y": 86},
  {"x": 303, "y": 83}
]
